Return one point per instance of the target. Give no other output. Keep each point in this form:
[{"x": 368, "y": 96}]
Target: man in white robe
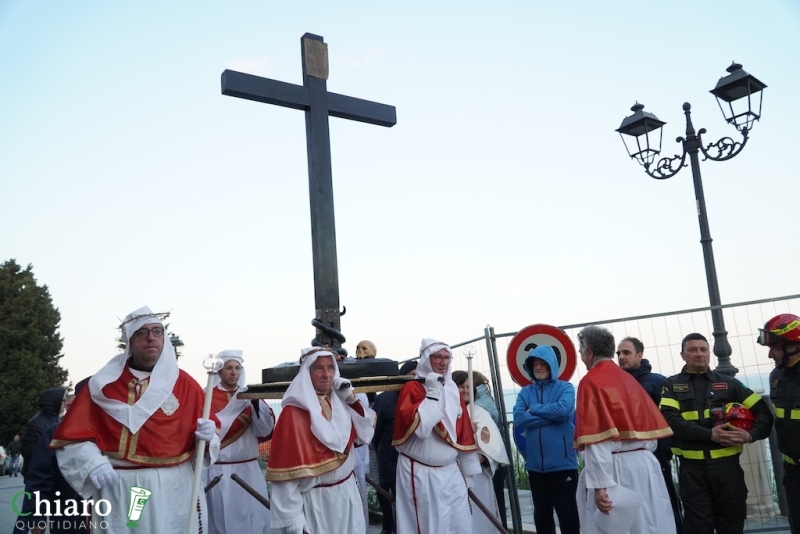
[
  {"x": 133, "y": 431},
  {"x": 312, "y": 462},
  {"x": 242, "y": 423},
  {"x": 432, "y": 430},
  {"x": 621, "y": 489}
]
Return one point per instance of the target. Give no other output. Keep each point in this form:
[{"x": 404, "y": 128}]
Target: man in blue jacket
[{"x": 543, "y": 414}]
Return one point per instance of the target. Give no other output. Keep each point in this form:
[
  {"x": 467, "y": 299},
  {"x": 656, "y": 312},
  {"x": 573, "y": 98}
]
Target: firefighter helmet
[
  {"x": 783, "y": 328},
  {"x": 739, "y": 415}
]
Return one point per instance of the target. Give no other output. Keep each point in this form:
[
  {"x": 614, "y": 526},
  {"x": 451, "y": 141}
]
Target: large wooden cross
[{"x": 313, "y": 98}]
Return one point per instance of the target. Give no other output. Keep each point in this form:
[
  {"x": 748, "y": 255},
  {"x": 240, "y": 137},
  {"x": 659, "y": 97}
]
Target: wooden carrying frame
[{"x": 372, "y": 384}]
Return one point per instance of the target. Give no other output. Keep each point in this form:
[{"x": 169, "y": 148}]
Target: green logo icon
[{"x": 139, "y": 498}]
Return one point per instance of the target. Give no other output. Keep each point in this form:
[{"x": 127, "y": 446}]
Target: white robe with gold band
[{"x": 231, "y": 508}]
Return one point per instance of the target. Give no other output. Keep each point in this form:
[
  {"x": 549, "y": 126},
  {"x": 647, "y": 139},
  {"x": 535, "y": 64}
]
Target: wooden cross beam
[{"x": 313, "y": 98}]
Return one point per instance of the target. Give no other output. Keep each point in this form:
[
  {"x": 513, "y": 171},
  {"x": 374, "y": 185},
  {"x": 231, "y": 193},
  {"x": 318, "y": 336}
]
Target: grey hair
[{"x": 599, "y": 340}]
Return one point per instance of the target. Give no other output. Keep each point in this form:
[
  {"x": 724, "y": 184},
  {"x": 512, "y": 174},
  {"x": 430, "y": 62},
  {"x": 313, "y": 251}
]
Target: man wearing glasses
[
  {"x": 135, "y": 429},
  {"x": 432, "y": 430}
]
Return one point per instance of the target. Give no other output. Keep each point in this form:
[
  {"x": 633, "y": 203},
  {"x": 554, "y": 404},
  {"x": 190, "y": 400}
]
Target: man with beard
[
  {"x": 136, "y": 426},
  {"x": 782, "y": 335},
  {"x": 630, "y": 354}
]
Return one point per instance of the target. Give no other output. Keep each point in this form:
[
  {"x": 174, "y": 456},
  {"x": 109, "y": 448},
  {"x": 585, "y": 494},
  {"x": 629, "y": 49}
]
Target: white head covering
[
  {"x": 235, "y": 406},
  {"x": 226, "y": 355},
  {"x": 450, "y": 401},
  {"x": 162, "y": 378},
  {"x": 335, "y": 433}
]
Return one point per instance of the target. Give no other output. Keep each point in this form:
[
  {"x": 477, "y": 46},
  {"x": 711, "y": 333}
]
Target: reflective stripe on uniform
[
  {"x": 671, "y": 403},
  {"x": 751, "y": 400},
  {"x": 714, "y": 454},
  {"x": 793, "y": 414}
]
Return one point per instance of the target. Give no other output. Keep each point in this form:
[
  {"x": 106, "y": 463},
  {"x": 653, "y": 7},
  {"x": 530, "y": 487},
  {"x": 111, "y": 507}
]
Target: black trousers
[
  {"x": 791, "y": 483},
  {"x": 387, "y": 509},
  {"x": 499, "y": 481},
  {"x": 555, "y": 491},
  {"x": 714, "y": 496}
]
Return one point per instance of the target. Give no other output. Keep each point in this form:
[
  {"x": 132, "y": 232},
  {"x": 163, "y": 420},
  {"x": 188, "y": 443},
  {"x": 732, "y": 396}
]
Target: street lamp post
[
  {"x": 177, "y": 344},
  {"x": 730, "y": 90}
]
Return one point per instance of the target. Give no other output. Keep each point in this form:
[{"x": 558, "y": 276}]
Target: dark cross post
[{"x": 313, "y": 98}]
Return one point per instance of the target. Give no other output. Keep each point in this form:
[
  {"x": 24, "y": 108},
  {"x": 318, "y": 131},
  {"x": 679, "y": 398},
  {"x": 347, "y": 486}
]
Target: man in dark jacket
[
  {"x": 782, "y": 335},
  {"x": 51, "y": 402},
  {"x": 694, "y": 403},
  {"x": 630, "y": 354},
  {"x": 384, "y": 406},
  {"x": 45, "y": 478},
  {"x": 544, "y": 413}
]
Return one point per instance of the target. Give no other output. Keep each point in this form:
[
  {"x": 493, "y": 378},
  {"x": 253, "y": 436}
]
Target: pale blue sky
[{"x": 502, "y": 196}]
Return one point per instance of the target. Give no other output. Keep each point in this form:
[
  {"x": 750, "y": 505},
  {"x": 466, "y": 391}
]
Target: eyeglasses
[
  {"x": 438, "y": 358},
  {"x": 144, "y": 332}
]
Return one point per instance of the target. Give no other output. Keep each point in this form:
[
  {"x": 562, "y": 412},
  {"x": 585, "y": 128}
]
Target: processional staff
[
  {"x": 212, "y": 365},
  {"x": 469, "y": 351}
]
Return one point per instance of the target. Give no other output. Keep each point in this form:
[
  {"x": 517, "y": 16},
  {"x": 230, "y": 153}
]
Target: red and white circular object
[{"x": 533, "y": 336}]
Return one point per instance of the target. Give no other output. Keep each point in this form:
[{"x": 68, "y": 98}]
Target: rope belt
[
  {"x": 621, "y": 452},
  {"x": 237, "y": 462},
  {"x": 334, "y": 483},
  {"x": 415, "y": 460},
  {"x": 131, "y": 467}
]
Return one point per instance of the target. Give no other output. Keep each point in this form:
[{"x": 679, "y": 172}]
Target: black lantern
[
  {"x": 177, "y": 344},
  {"x": 639, "y": 125},
  {"x": 731, "y": 90}
]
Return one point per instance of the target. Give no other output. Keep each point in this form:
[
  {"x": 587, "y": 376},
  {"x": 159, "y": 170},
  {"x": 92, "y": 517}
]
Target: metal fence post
[
  {"x": 499, "y": 399},
  {"x": 777, "y": 464}
]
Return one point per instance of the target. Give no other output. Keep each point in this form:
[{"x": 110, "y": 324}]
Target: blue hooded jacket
[{"x": 544, "y": 413}]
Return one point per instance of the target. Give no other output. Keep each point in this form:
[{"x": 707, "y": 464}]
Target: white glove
[
  {"x": 103, "y": 475},
  {"x": 343, "y": 388},
  {"x": 205, "y": 429},
  {"x": 433, "y": 388}
]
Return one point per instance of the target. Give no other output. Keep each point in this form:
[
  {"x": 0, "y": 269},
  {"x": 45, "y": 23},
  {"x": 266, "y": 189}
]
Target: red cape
[
  {"x": 163, "y": 440},
  {"x": 219, "y": 400},
  {"x": 299, "y": 453},
  {"x": 406, "y": 420},
  {"x": 613, "y": 405}
]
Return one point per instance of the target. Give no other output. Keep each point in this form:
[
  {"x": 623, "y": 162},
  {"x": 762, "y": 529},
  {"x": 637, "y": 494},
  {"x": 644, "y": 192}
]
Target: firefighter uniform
[
  {"x": 784, "y": 393},
  {"x": 712, "y": 483}
]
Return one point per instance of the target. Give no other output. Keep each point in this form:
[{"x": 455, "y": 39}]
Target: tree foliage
[{"x": 30, "y": 347}]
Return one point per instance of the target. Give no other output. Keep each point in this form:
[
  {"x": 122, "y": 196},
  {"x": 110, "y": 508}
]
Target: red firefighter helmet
[
  {"x": 739, "y": 416},
  {"x": 783, "y": 328}
]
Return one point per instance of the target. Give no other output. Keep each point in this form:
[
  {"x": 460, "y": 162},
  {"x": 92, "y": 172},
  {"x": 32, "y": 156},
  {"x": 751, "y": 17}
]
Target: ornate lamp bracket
[
  {"x": 724, "y": 149},
  {"x": 668, "y": 167}
]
